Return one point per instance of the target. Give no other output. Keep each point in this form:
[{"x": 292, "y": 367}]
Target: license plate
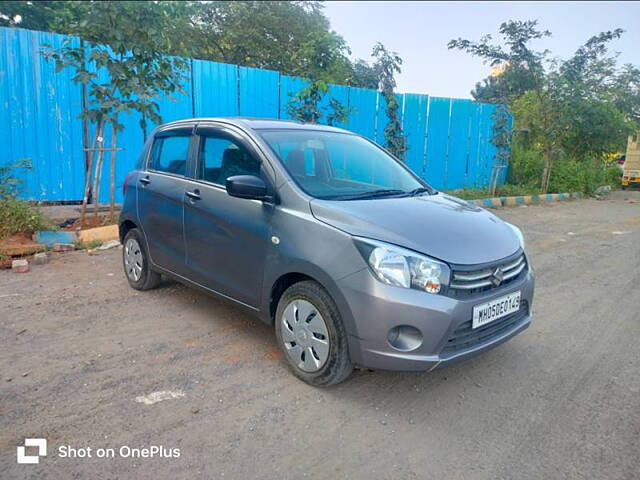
[{"x": 495, "y": 309}]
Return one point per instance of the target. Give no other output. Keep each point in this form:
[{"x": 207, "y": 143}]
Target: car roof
[{"x": 257, "y": 124}]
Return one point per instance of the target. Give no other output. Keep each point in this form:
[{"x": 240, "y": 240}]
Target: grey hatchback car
[{"x": 326, "y": 236}]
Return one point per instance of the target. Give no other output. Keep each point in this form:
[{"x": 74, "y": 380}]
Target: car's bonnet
[{"x": 439, "y": 225}]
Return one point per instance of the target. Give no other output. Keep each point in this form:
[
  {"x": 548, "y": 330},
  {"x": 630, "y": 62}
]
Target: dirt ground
[{"x": 561, "y": 400}]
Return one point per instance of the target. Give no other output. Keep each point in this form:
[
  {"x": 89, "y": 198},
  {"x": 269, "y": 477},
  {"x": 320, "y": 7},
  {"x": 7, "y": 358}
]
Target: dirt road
[{"x": 562, "y": 400}]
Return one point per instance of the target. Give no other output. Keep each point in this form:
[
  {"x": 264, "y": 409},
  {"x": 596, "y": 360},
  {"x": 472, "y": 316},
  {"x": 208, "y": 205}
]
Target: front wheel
[
  {"x": 135, "y": 261},
  {"x": 311, "y": 334}
]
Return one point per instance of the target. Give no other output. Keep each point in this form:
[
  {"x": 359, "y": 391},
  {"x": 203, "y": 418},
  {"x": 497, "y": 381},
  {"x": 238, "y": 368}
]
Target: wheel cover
[
  {"x": 133, "y": 260},
  {"x": 305, "y": 335}
]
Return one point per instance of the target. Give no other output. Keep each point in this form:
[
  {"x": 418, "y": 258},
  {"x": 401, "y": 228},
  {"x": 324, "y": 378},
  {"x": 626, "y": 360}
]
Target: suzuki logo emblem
[{"x": 497, "y": 277}]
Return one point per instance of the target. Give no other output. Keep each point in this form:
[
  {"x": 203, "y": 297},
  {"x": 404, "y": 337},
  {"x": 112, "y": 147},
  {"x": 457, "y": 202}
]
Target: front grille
[
  {"x": 465, "y": 336},
  {"x": 466, "y": 281}
]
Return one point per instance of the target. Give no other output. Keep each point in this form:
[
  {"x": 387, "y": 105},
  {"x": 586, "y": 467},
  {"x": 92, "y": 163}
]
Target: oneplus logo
[{"x": 41, "y": 443}]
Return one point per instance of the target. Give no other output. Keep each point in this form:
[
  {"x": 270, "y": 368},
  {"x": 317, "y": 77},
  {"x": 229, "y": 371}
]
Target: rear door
[
  {"x": 161, "y": 194},
  {"x": 227, "y": 237}
]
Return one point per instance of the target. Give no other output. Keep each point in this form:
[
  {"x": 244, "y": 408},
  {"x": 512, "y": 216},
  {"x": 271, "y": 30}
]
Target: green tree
[
  {"x": 293, "y": 37},
  {"x": 304, "y": 106},
  {"x": 16, "y": 215},
  {"x": 363, "y": 75},
  {"x": 571, "y": 114},
  {"x": 625, "y": 92},
  {"x": 577, "y": 109},
  {"x": 48, "y": 16},
  {"x": 386, "y": 65},
  {"x": 523, "y": 66},
  {"x": 127, "y": 75}
]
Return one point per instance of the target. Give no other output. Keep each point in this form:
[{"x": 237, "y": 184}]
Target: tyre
[
  {"x": 135, "y": 261},
  {"x": 311, "y": 335}
]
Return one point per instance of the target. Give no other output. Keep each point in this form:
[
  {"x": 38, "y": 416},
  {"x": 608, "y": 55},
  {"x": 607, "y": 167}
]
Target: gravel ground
[{"x": 80, "y": 353}]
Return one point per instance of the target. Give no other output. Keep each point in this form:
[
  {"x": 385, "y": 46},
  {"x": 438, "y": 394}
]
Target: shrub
[
  {"x": 526, "y": 165},
  {"x": 567, "y": 175},
  {"x": 17, "y": 216},
  {"x": 582, "y": 176}
]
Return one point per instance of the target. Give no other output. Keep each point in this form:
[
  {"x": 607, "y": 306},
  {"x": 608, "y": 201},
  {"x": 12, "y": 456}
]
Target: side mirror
[{"x": 247, "y": 186}]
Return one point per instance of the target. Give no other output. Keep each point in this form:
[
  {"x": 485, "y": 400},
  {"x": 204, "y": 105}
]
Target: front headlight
[
  {"x": 518, "y": 232},
  {"x": 403, "y": 268}
]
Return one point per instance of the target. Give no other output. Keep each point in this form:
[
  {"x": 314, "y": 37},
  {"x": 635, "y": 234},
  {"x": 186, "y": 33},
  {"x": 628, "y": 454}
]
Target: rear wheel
[
  {"x": 136, "y": 262},
  {"x": 311, "y": 335}
]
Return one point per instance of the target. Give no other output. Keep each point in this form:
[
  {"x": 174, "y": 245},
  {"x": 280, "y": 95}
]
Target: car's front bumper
[{"x": 376, "y": 308}]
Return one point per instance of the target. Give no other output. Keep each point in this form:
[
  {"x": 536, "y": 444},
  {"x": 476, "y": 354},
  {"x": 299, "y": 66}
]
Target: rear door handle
[
  {"x": 195, "y": 195},
  {"x": 145, "y": 180}
]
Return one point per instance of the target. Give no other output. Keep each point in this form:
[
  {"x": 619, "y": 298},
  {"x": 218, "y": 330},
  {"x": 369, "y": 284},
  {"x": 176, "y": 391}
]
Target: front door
[
  {"x": 161, "y": 198},
  {"x": 227, "y": 237}
]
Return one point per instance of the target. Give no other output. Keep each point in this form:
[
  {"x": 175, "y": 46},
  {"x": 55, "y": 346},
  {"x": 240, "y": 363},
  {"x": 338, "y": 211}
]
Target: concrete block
[
  {"x": 20, "y": 266},
  {"x": 99, "y": 234},
  {"x": 40, "y": 258},
  {"x": 51, "y": 237},
  {"x": 64, "y": 247}
]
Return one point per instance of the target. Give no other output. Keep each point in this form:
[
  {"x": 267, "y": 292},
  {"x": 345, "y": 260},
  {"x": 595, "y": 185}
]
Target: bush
[
  {"x": 526, "y": 165},
  {"x": 582, "y": 176},
  {"x": 567, "y": 175},
  {"x": 506, "y": 190},
  {"x": 17, "y": 216}
]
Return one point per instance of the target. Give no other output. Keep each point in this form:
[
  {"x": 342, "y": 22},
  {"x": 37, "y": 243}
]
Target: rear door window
[{"x": 169, "y": 154}]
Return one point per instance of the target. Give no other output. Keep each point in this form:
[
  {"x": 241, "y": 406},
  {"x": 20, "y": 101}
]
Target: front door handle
[
  {"x": 195, "y": 195},
  {"x": 145, "y": 180}
]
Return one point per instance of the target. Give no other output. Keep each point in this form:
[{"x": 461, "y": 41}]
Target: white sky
[{"x": 419, "y": 32}]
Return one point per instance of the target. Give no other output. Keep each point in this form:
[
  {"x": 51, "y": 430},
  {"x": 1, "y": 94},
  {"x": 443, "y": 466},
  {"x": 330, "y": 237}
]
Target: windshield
[{"x": 341, "y": 166}]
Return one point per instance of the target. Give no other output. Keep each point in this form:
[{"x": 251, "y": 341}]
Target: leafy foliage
[
  {"x": 524, "y": 69},
  {"x": 130, "y": 57},
  {"x": 122, "y": 64},
  {"x": 337, "y": 113},
  {"x": 573, "y": 110},
  {"x": 567, "y": 174},
  {"x": 506, "y": 190},
  {"x": 17, "y": 216},
  {"x": 293, "y": 37},
  {"x": 363, "y": 75},
  {"x": 10, "y": 184},
  {"x": 387, "y": 64},
  {"x": 304, "y": 106},
  {"x": 625, "y": 92},
  {"x": 501, "y": 139}
]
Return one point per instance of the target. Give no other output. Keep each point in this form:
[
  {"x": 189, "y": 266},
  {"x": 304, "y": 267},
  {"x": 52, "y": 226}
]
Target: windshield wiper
[
  {"x": 385, "y": 192},
  {"x": 418, "y": 191}
]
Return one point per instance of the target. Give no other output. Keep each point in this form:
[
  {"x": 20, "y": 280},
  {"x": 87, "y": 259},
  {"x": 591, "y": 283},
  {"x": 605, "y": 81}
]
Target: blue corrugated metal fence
[{"x": 448, "y": 139}]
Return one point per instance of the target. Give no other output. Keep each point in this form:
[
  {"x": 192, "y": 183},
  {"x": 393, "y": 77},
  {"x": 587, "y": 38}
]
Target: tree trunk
[
  {"x": 97, "y": 175},
  {"x": 546, "y": 172},
  {"x": 87, "y": 184},
  {"x": 112, "y": 176},
  {"x": 493, "y": 182}
]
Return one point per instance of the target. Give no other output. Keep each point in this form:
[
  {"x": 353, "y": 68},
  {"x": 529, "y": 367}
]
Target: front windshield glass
[{"x": 340, "y": 166}]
